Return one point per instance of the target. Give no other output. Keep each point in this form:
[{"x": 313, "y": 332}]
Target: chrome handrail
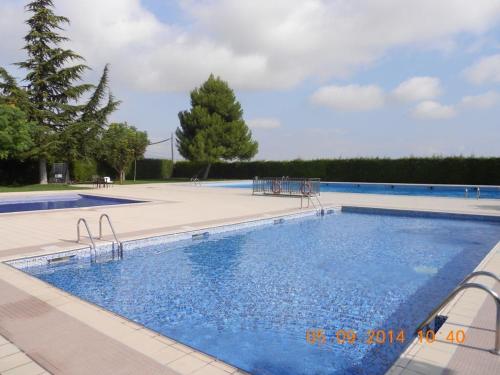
[
  {"x": 320, "y": 210},
  {"x": 120, "y": 244},
  {"x": 458, "y": 289},
  {"x": 479, "y": 273},
  {"x": 82, "y": 220}
]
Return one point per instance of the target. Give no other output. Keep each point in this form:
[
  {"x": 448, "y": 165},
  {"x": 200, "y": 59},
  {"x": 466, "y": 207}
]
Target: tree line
[
  {"x": 45, "y": 116},
  {"x": 51, "y": 115}
]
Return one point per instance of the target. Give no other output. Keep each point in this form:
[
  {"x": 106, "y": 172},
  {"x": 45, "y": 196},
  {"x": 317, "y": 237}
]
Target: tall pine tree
[
  {"x": 214, "y": 129},
  {"x": 64, "y": 127}
]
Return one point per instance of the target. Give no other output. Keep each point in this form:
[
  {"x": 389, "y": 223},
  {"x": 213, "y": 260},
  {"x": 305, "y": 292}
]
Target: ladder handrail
[
  {"x": 82, "y": 220},
  {"x": 110, "y": 225},
  {"x": 320, "y": 210},
  {"x": 120, "y": 244},
  {"x": 450, "y": 296},
  {"x": 480, "y": 273}
]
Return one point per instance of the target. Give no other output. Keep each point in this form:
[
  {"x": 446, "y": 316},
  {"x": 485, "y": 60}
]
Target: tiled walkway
[{"x": 14, "y": 362}]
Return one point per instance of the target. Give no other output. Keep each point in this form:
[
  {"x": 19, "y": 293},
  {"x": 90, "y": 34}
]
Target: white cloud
[
  {"x": 264, "y": 123},
  {"x": 12, "y": 29},
  {"x": 481, "y": 101},
  {"x": 254, "y": 44},
  {"x": 417, "y": 89},
  {"x": 349, "y": 98},
  {"x": 486, "y": 70},
  {"x": 433, "y": 110}
]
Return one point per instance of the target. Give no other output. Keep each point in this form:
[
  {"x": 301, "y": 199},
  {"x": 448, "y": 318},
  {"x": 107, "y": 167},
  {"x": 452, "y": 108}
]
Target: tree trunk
[
  {"x": 122, "y": 176},
  {"x": 135, "y": 168},
  {"x": 42, "y": 170},
  {"x": 207, "y": 170}
]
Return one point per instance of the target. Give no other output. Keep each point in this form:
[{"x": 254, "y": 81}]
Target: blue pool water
[
  {"x": 248, "y": 296},
  {"x": 47, "y": 202},
  {"x": 486, "y": 192}
]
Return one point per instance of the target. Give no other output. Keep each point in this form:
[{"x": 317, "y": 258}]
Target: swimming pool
[
  {"x": 53, "y": 202},
  {"x": 457, "y": 191},
  {"x": 249, "y": 296}
]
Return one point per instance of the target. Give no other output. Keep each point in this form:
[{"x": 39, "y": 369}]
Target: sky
[{"x": 316, "y": 78}]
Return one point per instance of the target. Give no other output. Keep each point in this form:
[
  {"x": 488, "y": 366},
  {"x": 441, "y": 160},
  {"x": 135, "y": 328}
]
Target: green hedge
[
  {"x": 83, "y": 170},
  {"x": 15, "y": 172},
  {"x": 452, "y": 170},
  {"x": 151, "y": 169},
  {"x": 147, "y": 169}
]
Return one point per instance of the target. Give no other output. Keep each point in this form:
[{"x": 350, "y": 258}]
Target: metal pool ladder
[
  {"x": 466, "y": 285},
  {"x": 92, "y": 246},
  {"x": 317, "y": 206},
  {"x": 118, "y": 242}
]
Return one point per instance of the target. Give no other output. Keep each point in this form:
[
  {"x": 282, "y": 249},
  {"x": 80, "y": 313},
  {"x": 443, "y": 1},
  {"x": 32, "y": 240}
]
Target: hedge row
[
  {"x": 147, "y": 169},
  {"x": 14, "y": 172},
  {"x": 452, "y": 170},
  {"x": 456, "y": 170}
]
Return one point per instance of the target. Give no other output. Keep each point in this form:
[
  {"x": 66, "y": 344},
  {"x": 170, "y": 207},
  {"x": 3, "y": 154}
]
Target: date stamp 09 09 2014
[{"x": 378, "y": 337}]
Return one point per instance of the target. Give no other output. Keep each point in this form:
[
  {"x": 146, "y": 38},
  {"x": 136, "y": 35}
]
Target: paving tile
[
  {"x": 430, "y": 354},
  {"x": 425, "y": 368},
  {"x": 203, "y": 357},
  {"x": 395, "y": 370},
  {"x": 187, "y": 364},
  {"x": 8, "y": 349},
  {"x": 167, "y": 355},
  {"x": 224, "y": 366},
  {"x": 182, "y": 348},
  {"x": 28, "y": 369},
  {"x": 212, "y": 370},
  {"x": 12, "y": 361},
  {"x": 165, "y": 340}
]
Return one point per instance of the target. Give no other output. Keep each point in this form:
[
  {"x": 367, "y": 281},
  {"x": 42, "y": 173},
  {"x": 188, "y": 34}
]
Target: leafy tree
[
  {"x": 64, "y": 127},
  {"x": 15, "y": 132},
  {"x": 214, "y": 129},
  {"x": 121, "y": 144}
]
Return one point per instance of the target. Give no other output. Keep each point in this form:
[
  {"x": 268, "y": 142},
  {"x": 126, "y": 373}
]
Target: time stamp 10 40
[{"x": 378, "y": 337}]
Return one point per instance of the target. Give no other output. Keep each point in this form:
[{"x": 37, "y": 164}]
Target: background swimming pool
[
  {"x": 394, "y": 189},
  {"x": 52, "y": 202},
  {"x": 249, "y": 296}
]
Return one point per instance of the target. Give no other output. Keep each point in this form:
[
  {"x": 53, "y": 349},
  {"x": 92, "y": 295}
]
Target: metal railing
[
  {"x": 286, "y": 186},
  {"x": 480, "y": 273},
  {"x": 92, "y": 247},
  {"x": 118, "y": 242},
  {"x": 195, "y": 181},
  {"x": 318, "y": 206},
  {"x": 465, "y": 285}
]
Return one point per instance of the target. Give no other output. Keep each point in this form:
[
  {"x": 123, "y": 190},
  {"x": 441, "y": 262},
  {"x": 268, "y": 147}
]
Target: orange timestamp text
[{"x": 319, "y": 337}]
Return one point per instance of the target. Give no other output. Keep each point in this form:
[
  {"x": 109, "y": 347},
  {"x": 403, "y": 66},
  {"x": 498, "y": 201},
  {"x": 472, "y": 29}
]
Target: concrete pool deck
[{"x": 63, "y": 334}]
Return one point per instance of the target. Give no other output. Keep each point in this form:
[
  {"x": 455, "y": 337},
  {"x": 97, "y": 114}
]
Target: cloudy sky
[{"x": 316, "y": 78}]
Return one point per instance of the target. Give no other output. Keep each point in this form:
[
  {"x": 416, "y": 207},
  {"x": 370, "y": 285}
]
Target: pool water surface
[
  {"x": 249, "y": 296},
  {"x": 451, "y": 191},
  {"x": 53, "y": 202}
]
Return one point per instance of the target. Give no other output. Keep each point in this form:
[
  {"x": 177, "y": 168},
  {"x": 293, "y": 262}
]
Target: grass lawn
[{"x": 37, "y": 187}]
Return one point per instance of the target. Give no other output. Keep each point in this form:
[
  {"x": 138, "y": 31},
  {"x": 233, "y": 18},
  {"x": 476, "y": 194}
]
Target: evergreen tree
[
  {"x": 64, "y": 128},
  {"x": 214, "y": 129}
]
